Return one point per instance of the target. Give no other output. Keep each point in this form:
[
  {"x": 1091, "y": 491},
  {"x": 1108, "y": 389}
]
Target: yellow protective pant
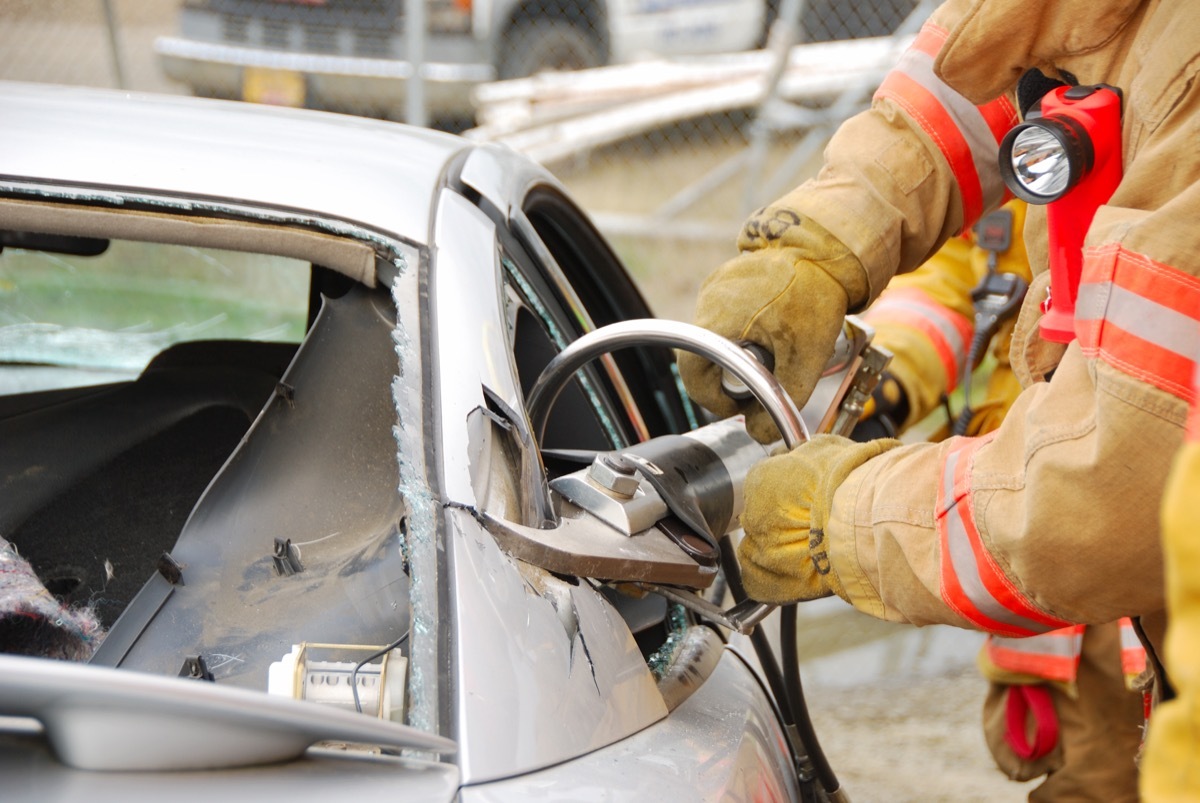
[{"x": 1171, "y": 768}]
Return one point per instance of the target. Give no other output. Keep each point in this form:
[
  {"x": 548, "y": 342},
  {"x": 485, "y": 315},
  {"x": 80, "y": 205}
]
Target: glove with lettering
[
  {"x": 789, "y": 292},
  {"x": 784, "y": 555}
]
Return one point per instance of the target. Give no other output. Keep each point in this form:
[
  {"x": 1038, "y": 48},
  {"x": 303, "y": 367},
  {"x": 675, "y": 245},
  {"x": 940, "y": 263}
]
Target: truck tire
[{"x": 543, "y": 45}]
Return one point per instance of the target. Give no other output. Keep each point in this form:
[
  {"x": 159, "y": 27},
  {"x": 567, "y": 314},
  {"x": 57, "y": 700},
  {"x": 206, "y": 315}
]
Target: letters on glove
[
  {"x": 789, "y": 292},
  {"x": 784, "y": 555}
]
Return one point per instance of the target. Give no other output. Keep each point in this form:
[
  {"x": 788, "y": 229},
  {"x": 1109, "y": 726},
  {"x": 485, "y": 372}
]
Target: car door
[
  {"x": 543, "y": 667},
  {"x": 612, "y": 704}
]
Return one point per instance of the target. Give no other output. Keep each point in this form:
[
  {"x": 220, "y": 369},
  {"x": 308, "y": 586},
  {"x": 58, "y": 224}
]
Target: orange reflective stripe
[
  {"x": 930, "y": 38},
  {"x": 1140, "y": 316},
  {"x": 968, "y": 136},
  {"x": 1133, "y": 654},
  {"x": 946, "y": 330},
  {"x": 925, "y": 108},
  {"x": 999, "y": 115},
  {"x": 1050, "y": 656},
  {"x": 1055, "y": 655},
  {"x": 1192, "y": 433},
  {"x": 972, "y": 582}
]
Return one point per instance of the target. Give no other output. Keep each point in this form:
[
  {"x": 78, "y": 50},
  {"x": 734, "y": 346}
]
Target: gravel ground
[
  {"x": 897, "y": 709},
  {"x": 913, "y": 740}
]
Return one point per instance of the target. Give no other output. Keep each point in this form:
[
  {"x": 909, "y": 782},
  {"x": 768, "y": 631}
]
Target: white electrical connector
[{"x": 322, "y": 673}]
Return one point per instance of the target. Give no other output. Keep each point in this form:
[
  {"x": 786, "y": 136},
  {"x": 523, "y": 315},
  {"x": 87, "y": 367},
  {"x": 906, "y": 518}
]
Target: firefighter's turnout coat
[
  {"x": 1073, "y": 682},
  {"x": 1053, "y": 519}
]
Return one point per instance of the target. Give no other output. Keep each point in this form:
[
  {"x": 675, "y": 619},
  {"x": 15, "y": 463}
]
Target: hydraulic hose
[
  {"x": 978, "y": 343},
  {"x": 785, "y": 685},
  {"x": 795, "y": 694}
]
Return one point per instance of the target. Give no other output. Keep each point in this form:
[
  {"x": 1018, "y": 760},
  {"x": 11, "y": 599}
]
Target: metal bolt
[{"x": 615, "y": 474}]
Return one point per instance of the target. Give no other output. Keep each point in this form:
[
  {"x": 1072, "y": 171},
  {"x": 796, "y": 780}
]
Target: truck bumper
[{"x": 375, "y": 87}]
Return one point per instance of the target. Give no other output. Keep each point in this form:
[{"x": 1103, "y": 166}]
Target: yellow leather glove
[
  {"x": 788, "y": 291},
  {"x": 784, "y": 556}
]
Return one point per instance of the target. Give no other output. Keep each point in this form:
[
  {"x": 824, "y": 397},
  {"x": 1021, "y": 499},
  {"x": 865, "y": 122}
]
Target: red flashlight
[{"x": 1069, "y": 158}]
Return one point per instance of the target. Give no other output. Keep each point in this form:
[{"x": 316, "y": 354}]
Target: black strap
[{"x": 1034, "y": 85}]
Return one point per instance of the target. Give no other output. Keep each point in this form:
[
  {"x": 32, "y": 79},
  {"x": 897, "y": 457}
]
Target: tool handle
[{"x": 734, "y": 387}]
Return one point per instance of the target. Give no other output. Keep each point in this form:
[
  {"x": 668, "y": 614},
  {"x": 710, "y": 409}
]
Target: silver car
[{"x": 274, "y": 482}]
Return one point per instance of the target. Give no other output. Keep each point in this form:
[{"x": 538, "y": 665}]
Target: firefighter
[
  {"x": 1170, "y": 771},
  {"x": 1050, "y": 520},
  {"x": 1061, "y": 704}
]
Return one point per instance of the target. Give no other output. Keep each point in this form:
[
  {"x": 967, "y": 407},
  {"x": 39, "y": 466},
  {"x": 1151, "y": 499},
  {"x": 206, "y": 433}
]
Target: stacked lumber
[{"x": 556, "y": 116}]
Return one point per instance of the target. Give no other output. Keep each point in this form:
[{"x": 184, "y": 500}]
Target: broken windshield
[{"x": 70, "y": 319}]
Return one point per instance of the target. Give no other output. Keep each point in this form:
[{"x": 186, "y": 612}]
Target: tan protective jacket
[
  {"x": 1053, "y": 518},
  {"x": 925, "y": 318}
]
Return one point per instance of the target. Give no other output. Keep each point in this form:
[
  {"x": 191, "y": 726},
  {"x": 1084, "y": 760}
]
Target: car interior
[
  {"x": 169, "y": 427},
  {"x": 78, "y": 434},
  {"x": 72, "y": 454}
]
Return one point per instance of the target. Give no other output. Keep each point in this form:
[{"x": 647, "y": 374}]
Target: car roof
[{"x": 379, "y": 174}]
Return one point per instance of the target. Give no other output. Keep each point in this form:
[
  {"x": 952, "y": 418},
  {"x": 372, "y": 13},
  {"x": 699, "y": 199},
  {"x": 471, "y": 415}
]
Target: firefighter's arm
[
  {"x": 924, "y": 319},
  {"x": 1050, "y": 521},
  {"x": 1054, "y": 518},
  {"x": 898, "y": 180},
  {"x": 919, "y": 167}
]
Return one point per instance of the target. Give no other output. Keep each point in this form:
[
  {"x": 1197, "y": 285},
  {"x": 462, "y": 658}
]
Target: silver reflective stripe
[
  {"x": 931, "y": 313},
  {"x": 985, "y": 151},
  {"x": 1059, "y": 645},
  {"x": 1162, "y": 326},
  {"x": 1129, "y": 638},
  {"x": 964, "y": 565}
]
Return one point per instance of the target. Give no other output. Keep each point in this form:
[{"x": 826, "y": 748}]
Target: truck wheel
[{"x": 544, "y": 45}]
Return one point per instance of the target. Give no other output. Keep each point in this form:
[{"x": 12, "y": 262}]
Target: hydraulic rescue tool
[
  {"x": 654, "y": 512},
  {"x": 658, "y": 514}
]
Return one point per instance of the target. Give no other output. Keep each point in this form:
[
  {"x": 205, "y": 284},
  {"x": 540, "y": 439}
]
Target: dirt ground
[
  {"x": 897, "y": 709},
  {"x": 913, "y": 740}
]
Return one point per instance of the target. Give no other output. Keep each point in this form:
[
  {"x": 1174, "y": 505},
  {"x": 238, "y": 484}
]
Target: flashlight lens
[{"x": 1040, "y": 163}]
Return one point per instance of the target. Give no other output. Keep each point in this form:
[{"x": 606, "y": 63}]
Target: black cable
[
  {"x": 981, "y": 339},
  {"x": 365, "y": 661},
  {"x": 785, "y": 685},
  {"x": 770, "y": 667},
  {"x": 795, "y": 692}
]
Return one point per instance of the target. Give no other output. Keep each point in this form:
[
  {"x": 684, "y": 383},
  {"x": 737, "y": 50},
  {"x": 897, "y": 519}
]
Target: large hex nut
[{"x": 614, "y": 474}]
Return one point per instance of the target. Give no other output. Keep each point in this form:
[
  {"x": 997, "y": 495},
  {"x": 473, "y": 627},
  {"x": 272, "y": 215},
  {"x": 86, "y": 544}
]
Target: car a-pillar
[{"x": 545, "y": 35}]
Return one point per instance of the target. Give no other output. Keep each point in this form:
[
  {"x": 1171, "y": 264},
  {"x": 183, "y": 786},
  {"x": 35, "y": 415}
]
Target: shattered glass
[{"x": 420, "y": 542}]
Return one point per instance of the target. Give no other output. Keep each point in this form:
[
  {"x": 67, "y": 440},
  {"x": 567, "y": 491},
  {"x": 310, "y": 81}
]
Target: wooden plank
[{"x": 555, "y": 116}]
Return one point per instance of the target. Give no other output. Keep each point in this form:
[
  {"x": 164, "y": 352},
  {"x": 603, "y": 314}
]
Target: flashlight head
[{"x": 1040, "y": 160}]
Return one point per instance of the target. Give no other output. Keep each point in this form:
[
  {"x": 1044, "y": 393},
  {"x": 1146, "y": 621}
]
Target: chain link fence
[{"x": 668, "y": 120}]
